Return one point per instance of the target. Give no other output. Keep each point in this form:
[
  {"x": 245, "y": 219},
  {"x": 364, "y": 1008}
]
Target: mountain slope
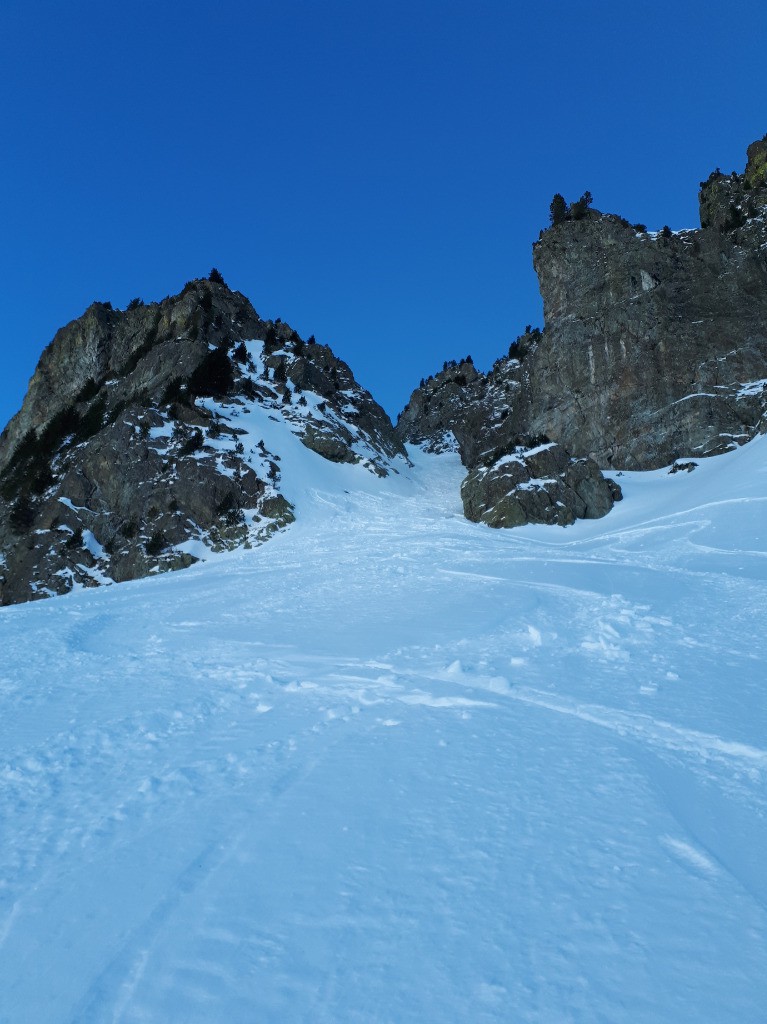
[{"x": 394, "y": 766}]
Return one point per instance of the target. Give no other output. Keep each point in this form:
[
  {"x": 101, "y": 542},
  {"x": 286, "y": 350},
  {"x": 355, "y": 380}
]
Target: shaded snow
[
  {"x": 754, "y": 387},
  {"x": 393, "y": 766}
]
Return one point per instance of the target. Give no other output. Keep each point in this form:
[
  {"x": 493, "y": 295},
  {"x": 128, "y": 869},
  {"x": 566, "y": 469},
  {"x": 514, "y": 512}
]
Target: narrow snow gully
[{"x": 394, "y": 767}]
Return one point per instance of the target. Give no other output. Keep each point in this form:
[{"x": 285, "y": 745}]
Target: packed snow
[{"x": 395, "y": 767}]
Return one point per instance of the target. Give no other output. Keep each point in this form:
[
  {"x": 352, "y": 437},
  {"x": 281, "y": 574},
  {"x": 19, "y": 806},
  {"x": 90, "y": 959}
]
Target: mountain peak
[{"x": 130, "y": 454}]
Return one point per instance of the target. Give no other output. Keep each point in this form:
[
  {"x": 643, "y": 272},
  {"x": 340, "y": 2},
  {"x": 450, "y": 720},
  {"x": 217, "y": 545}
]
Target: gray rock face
[
  {"x": 655, "y": 345},
  {"x": 513, "y": 478},
  {"x": 447, "y": 411},
  {"x": 654, "y": 348},
  {"x": 127, "y": 458}
]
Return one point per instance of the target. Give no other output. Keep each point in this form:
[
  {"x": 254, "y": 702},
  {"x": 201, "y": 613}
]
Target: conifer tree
[{"x": 558, "y": 209}]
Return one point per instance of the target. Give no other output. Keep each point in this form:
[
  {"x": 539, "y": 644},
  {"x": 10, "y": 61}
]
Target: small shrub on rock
[
  {"x": 193, "y": 443},
  {"x": 156, "y": 544},
  {"x": 579, "y": 207}
]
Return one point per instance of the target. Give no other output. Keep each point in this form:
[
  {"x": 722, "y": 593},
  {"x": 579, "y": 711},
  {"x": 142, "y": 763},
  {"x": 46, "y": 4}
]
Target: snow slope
[{"x": 396, "y": 767}]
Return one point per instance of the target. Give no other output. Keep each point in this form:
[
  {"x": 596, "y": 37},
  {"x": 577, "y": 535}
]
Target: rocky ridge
[{"x": 127, "y": 458}]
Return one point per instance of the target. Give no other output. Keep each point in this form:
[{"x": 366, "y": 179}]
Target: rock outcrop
[
  {"x": 513, "y": 478},
  {"x": 536, "y": 483},
  {"x": 655, "y": 344},
  {"x": 127, "y": 457}
]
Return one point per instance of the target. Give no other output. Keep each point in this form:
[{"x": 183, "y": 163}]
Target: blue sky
[{"x": 373, "y": 174}]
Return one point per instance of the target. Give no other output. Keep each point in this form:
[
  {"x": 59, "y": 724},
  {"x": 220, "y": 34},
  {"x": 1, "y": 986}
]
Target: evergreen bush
[
  {"x": 88, "y": 391},
  {"x": 23, "y": 513},
  {"x": 579, "y": 207},
  {"x": 193, "y": 443},
  {"x": 156, "y": 543}
]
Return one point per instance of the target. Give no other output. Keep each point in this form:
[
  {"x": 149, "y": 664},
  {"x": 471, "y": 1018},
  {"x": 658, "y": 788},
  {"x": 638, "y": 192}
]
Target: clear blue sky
[{"x": 374, "y": 174}]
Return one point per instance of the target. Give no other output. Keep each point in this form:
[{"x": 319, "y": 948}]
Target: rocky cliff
[
  {"x": 655, "y": 343},
  {"x": 654, "y": 348},
  {"x": 127, "y": 456}
]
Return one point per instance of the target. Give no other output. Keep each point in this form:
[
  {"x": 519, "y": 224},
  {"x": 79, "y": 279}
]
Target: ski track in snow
[{"x": 393, "y": 766}]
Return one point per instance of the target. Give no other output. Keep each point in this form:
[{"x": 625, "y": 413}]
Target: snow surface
[{"x": 394, "y": 766}]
